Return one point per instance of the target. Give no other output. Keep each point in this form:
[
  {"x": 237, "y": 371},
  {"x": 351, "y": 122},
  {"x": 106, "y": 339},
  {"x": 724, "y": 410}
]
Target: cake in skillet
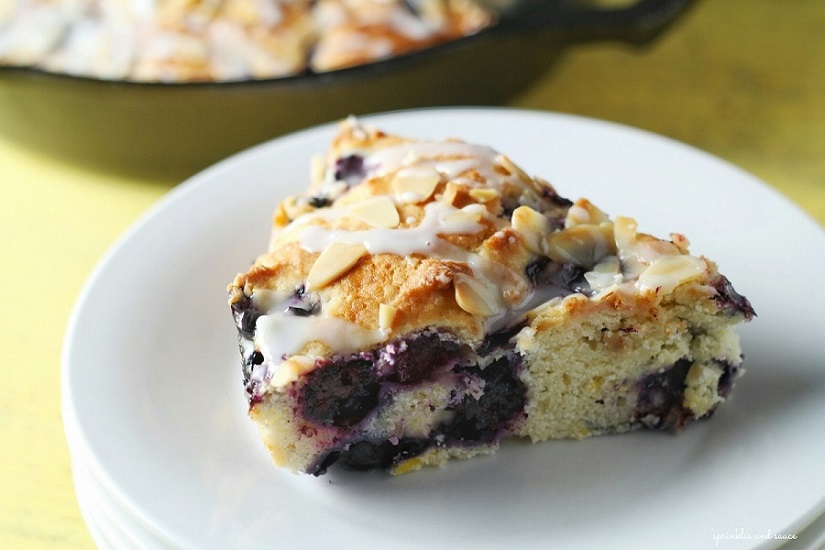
[
  {"x": 224, "y": 40},
  {"x": 423, "y": 300}
]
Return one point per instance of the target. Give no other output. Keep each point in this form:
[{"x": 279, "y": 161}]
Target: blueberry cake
[
  {"x": 423, "y": 300},
  {"x": 223, "y": 40}
]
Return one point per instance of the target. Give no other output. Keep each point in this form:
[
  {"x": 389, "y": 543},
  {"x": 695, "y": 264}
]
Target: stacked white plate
[{"x": 164, "y": 456}]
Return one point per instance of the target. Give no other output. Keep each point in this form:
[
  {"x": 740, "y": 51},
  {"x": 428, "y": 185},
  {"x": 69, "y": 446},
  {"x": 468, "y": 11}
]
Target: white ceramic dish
[{"x": 152, "y": 377}]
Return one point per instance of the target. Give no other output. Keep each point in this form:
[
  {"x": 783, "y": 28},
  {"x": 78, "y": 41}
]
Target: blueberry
[
  {"x": 341, "y": 393},
  {"x": 368, "y": 455},
  {"x": 410, "y": 6},
  {"x": 350, "y": 169},
  {"x": 482, "y": 419},
  {"x": 730, "y": 301},
  {"x": 245, "y": 315},
  {"x": 323, "y": 465},
  {"x": 500, "y": 340},
  {"x": 572, "y": 277},
  {"x": 300, "y": 304},
  {"x": 344, "y": 392},
  {"x": 730, "y": 373},
  {"x": 319, "y": 202},
  {"x": 534, "y": 269},
  {"x": 372, "y": 455},
  {"x": 418, "y": 357},
  {"x": 543, "y": 272},
  {"x": 551, "y": 195},
  {"x": 508, "y": 205},
  {"x": 661, "y": 395}
]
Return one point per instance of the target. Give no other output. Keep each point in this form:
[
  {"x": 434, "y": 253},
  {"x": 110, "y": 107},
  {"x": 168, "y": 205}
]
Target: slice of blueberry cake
[{"x": 423, "y": 300}]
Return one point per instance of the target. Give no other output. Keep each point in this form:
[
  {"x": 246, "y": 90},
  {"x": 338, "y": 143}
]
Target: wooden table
[{"x": 742, "y": 80}]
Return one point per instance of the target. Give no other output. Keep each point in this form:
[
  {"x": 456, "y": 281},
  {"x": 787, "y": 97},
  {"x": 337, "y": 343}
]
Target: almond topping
[
  {"x": 477, "y": 211},
  {"x": 605, "y": 274},
  {"x": 460, "y": 216},
  {"x": 511, "y": 167},
  {"x": 533, "y": 227},
  {"x": 680, "y": 241},
  {"x": 451, "y": 191},
  {"x": 668, "y": 272},
  {"x": 386, "y": 315},
  {"x": 377, "y": 212},
  {"x": 583, "y": 245},
  {"x": 334, "y": 261},
  {"x": 483, "y": 194},
  {"x": 624, "y": 231},
  {"x": 473, "y": 296},
  {"x": 416, "y": 184},
  {"x": 583, "y": 211}
]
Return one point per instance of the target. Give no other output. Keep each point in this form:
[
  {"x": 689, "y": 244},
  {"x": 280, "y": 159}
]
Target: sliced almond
[
  {"x": 680, "y": 241},
  {"x": 511, "y": 167},
  {"x": 533, "y": 226},
  {"x": 415, "y": 184},
  {"x": 608, "y": 264},
  {"x": 583, "y": 245},
  {"x": 624, "y": 232},
  {"x": 576, "y": 215},
  {"x": 377, "y": 212},
  {"x": 584, "y": 211},
  {"x": 334, "y": 261},
  {"x": 451, "y": 191},
  {"x": 410, "y": 158},
  {"x": 477, "y": 211},
  {"x": 386, "y": 315},
  {"x": 484, "y": 194},
  {"x": 460, "y": 216},
  {"x": 472, "y": 213},
  {"x": 668, "y": 272},
  {"x": 647, "y": 249},
  {"x": 473, "y": 296},
  {"x": 605, "y": 274}
]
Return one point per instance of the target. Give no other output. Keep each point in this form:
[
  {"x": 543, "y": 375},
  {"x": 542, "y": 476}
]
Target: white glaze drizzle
[
  {"x": 404, "y": 241},
  {"x": 453, "y": 159},
  {"x": 280, "y": 334}
]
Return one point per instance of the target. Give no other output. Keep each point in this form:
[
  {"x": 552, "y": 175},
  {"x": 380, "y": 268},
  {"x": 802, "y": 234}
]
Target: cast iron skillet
[{"x": 170, "y": 131}]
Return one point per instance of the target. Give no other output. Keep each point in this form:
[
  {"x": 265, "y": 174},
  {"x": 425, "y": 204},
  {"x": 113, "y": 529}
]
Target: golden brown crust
[{"x": 420, "y": 288}]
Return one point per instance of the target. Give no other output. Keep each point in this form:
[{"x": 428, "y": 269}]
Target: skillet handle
[{"x": 637, "y": 23}]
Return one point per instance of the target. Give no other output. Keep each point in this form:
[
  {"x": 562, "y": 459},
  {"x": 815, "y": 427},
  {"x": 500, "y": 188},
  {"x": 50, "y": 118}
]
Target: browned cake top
[{"x": 395, "y": 235}]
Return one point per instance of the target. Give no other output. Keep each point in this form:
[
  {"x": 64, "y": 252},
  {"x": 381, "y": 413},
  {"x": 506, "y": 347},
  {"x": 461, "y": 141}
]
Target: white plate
[
  {"x": 152, "y": 375},
  {"x": 110, "y": 526}
]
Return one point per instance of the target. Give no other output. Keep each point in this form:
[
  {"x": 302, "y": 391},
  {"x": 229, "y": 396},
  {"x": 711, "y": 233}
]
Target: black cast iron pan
[{"x": 170, "y": 131}]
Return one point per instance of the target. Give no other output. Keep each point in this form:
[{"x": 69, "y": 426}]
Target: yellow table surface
[{"x": 742, "y": 80}]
